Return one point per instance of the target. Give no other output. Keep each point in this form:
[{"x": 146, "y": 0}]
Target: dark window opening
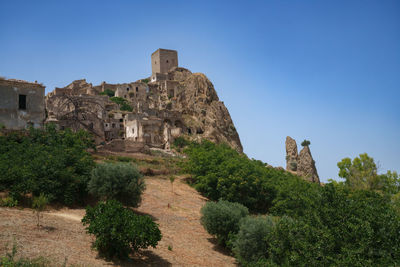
[
  {"x": 189, "y": 131},
  {"x": 113, "y": 125},
  {"x": 121, "y": 120},
  {"x": 167, "y": 61},
  {"x": 127, "y": 89},
  {"x": 91, "y": 125},
  {"x": 137, "y": 89},
  {"x": 22, "y": 102},
  {"x": 124, "y": 96}
]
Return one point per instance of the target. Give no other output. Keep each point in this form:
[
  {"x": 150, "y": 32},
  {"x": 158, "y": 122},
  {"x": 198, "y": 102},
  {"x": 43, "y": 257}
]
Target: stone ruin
[
  {"x": 172, "y": 102},
  {"x": 301, "y": 164}
]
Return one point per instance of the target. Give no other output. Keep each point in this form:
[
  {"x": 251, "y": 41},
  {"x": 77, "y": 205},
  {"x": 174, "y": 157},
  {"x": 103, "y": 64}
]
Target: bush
[
  {"x": 46, "y": 161},
  {"x": 8, "y": 202},
  {"x": 124, "y": 106},
  {"x": 305, "y": 143},
  {"x": 120, "y": 181},
  {"x": 118, "y": 230},
  {"x": 181, "y": 142},
  {"x": 250, "y": 244},
  {"x": 337, "y": 227},
  {"x": 108, "y": 92},
  {"x": 39, "y": 204},
  {"x": 220, "y": 172},
  {"x": 221, "y": 219}
]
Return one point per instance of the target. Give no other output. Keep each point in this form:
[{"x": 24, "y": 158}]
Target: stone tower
[{"x": 162, "y": 60}]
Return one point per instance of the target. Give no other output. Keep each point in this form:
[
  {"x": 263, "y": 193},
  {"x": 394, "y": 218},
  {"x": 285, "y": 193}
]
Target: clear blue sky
[{"x": 327, "y": 71}]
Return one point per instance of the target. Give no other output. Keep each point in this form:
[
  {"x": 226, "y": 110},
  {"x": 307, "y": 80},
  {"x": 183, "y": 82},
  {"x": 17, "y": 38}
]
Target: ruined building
[
  {"x": 21, "y": 104},
  {"x": 301, "y": 164},
  {"x": 150, "y": 112}
]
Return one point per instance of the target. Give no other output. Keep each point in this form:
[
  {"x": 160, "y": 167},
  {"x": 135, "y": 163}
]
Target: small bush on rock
[
  {"x": 118, "y": 230},
  {"x": 221, "y": 219},
  {"x": 120, "y": 181}
]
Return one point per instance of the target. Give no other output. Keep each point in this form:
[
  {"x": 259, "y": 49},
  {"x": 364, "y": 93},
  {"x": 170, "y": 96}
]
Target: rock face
[
  {"x": 306, "y": 166},
  {"x": 301, "y": 164},
  {"x": 204, "y": 114},
  {"x": 291, "y": 154}
]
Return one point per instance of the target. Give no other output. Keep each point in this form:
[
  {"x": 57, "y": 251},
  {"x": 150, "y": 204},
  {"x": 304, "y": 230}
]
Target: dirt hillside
[{"x": 62, "y": 236}]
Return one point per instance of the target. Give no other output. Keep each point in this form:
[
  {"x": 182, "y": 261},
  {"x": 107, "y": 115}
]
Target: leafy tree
[
  {"x": 222, "y": 218},
  {"x": 361, "y": 173},
  {"x": 55, "y": 163},
  {"x": 305, "y": 143},
  {"x": 342, "y": 228},
  {"x": 120, "y": 181},
  {"x": 39, "y": 204},
  {"x": 118, "y": 230}
]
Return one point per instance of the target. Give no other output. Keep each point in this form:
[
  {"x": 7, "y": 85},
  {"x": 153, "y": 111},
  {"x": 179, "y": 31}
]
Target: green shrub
[
  {"x": 335, "y": 226},
  {"x": 221, "y": 219},
  {"x": 118, "y": 230},
  {"x": 108, "y": 92},
  {"x": 46, "y": 161},
  {"x": 220, "y": 172},
  {"x": 120, "y": 181},
  {"x": 8, "y": 202},
  {"x": 305, "y": 143},
  {"x": 146, "y": 81},
  {"x": 250, "y": 244},
  {"x": 124, "y": 106},
  {"x": 181, "y": 142},
  {"x": 39, "y": 204}
]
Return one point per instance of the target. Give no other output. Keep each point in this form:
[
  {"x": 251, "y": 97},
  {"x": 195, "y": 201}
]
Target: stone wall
[{"x": 21, "y": 104}]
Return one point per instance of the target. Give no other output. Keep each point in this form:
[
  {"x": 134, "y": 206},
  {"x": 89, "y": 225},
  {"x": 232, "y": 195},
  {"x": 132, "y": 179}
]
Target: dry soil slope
[{"x": 63, "y": 235}]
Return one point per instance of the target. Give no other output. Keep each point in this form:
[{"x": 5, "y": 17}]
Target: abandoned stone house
[{"x": 21, "y": 104}]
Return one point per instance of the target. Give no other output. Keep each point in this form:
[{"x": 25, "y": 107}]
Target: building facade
[{"x": 22, "y": 104}]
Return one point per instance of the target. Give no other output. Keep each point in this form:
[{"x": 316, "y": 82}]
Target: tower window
[
  {"x": 127, "y": 89},
  {"x": 137, "y": 89},
  {"x": 22, "y": 102}
]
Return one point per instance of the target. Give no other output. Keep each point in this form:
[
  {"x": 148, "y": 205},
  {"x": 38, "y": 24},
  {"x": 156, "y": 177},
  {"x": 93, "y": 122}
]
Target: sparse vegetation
[
  {"x": 8, "y": 202},
  {"x": 305, "y": 143},
  {"x": 108, "y": 92},
  {"x": 120, "y": 181},
  {"x": 39, "y": 204},
  {"x": 122, "y": 102},
  {"x": 118, "y": 230}
]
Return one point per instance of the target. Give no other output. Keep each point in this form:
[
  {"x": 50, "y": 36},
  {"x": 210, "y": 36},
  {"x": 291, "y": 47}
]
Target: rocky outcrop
[
  {"x": 291, "y": 154},
  {"x": 306, "y": 166},
  {"x": 301, "y": 164},
  {"x": 184, "y": 104},
  {"x": 204, "y": 114}
]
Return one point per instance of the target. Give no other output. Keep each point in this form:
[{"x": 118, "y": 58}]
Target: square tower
[{"x": 163, "y": 60}]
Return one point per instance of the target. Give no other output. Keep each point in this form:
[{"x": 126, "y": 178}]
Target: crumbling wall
[{"x": 21, "y": 104}]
